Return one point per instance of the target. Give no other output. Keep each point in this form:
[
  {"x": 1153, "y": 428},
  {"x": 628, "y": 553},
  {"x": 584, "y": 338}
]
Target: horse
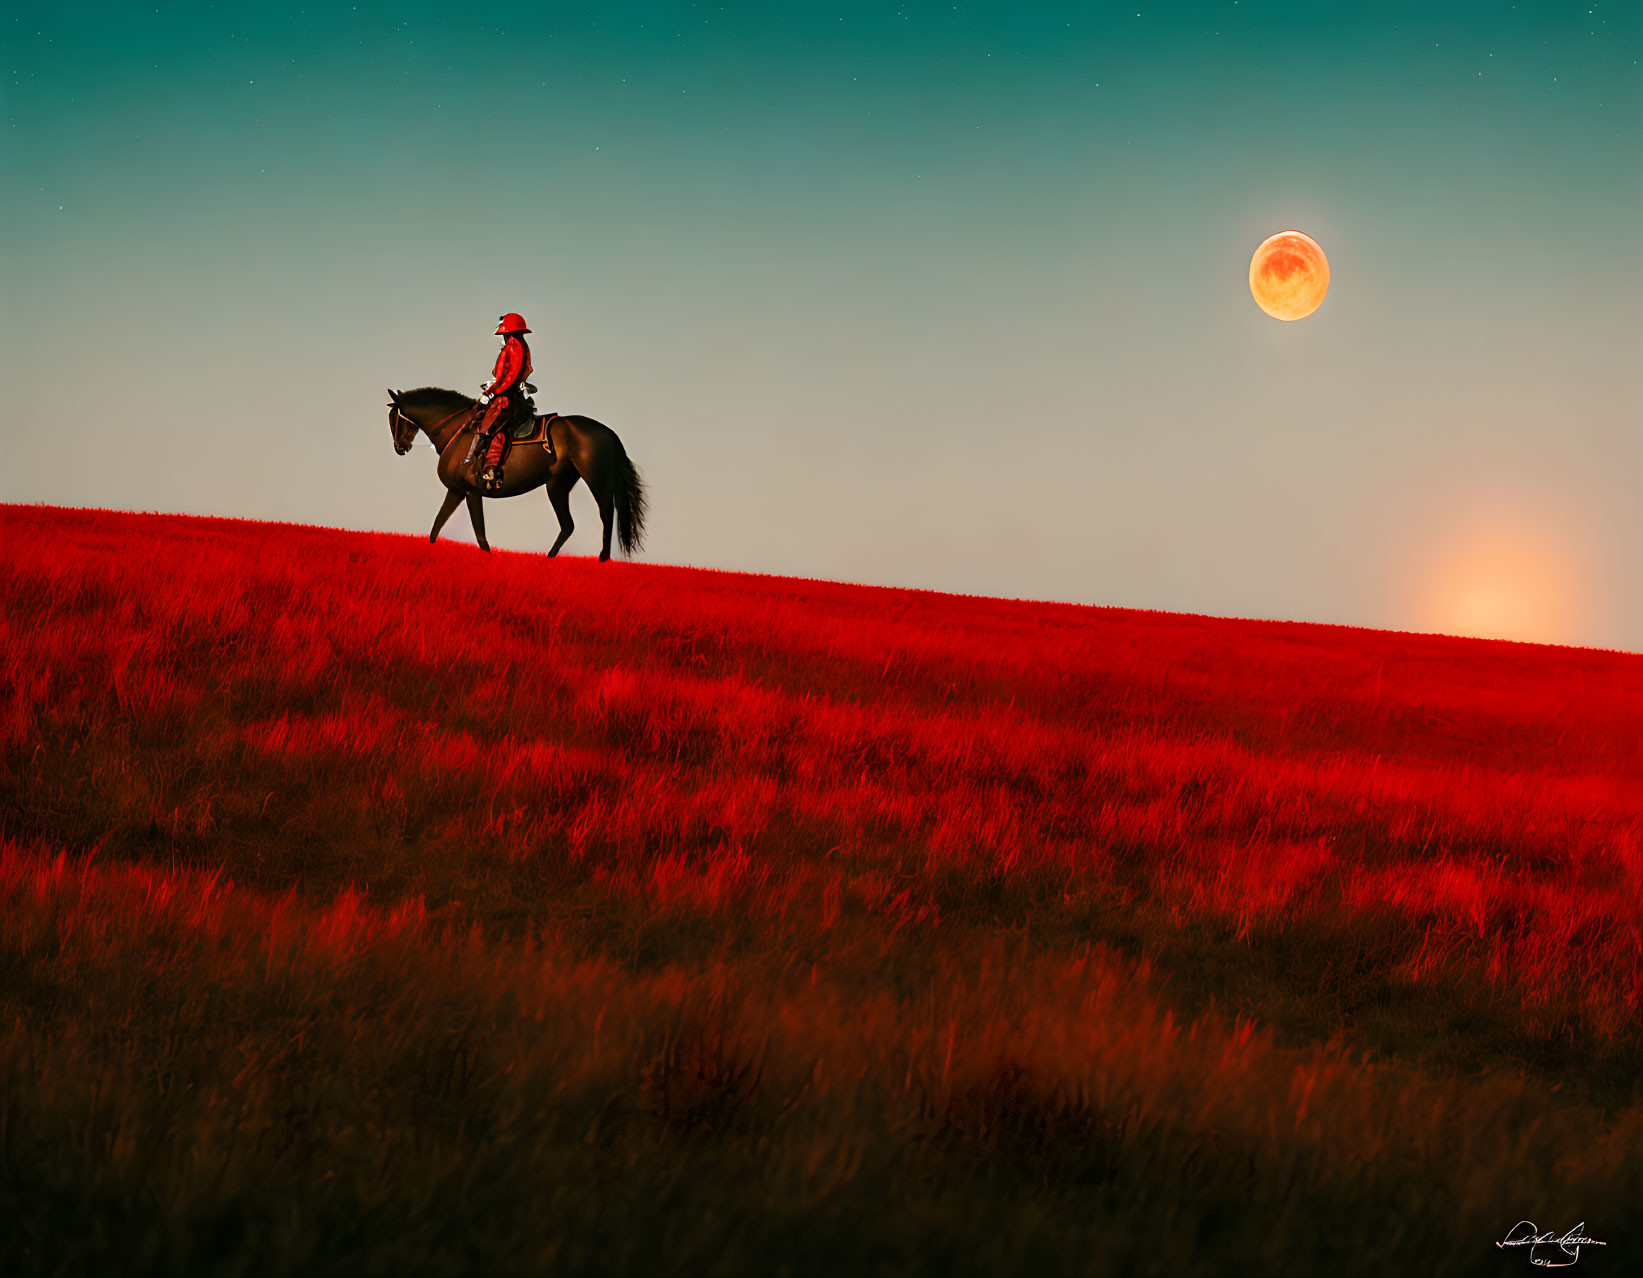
[{"x": 583, "y": 449}]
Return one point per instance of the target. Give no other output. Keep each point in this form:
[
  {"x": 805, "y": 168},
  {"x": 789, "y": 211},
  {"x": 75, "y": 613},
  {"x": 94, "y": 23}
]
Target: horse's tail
[{"x": 628, "y": 492}]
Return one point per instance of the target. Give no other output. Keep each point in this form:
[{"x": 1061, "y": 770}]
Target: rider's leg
[
  {"x": 486, "y": 423},
  {"x": 498, "y": 418},
  {"x": 491, "y": 476}
]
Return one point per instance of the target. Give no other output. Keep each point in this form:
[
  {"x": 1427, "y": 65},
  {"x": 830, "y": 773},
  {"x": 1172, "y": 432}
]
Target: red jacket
[{"x": 513, "y": 365}]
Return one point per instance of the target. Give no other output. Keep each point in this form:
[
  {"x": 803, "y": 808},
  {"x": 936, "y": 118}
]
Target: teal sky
[{"x": 935, "y": 295}]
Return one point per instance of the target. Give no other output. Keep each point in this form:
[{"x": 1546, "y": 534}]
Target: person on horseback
[{"x": 504, "y": 397}]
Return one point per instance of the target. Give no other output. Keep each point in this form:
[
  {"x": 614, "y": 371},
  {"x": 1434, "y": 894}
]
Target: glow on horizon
[{"x": 1497, "y": 578}]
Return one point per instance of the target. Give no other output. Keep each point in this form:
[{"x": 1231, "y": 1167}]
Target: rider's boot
[
  {"x": 496, "y": 452},
  {"x": 473, "y": 461},
  {"x": 475, "y": 464}
]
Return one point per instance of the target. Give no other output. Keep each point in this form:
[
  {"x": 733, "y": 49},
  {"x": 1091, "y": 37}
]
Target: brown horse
[{"x": 582, "y": 449}]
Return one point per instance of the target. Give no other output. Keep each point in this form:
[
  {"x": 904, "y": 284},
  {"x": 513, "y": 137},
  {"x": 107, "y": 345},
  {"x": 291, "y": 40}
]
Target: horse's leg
[
  {"x": 447, "y": 508},
  {"x": 589, "y": 456},
  {"x": 476, "y": 516},
  {"x": 559, "y": 495},
  {"x": 607, "y": 513}
]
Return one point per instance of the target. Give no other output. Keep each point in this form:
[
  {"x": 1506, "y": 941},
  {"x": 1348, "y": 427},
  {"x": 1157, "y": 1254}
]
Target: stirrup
[{"x": 491, "y": 478}]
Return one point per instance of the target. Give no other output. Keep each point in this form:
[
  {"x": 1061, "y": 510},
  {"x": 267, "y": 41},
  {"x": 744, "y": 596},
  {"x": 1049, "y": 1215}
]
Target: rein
[{"x": 400, "y": 412}]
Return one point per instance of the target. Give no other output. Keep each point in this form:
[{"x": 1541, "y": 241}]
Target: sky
[{"x": 950, "y": 296}]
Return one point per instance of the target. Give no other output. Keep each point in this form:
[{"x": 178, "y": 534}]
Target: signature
[{"x": 1526, "y": 1234}]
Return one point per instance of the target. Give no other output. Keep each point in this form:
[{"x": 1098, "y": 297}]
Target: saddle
[
  {"x": 524, "y": 427},
  {"x": 532, "y": 429}
]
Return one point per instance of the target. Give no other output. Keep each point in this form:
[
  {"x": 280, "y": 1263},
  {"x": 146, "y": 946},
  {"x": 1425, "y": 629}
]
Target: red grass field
[{"x": 374, "y": 906}]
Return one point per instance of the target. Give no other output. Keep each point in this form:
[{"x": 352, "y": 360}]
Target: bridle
[{"x": 416, "y": 425}]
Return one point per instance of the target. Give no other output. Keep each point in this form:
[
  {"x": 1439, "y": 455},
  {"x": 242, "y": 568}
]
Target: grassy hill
[{"x": 367, "y": 906}]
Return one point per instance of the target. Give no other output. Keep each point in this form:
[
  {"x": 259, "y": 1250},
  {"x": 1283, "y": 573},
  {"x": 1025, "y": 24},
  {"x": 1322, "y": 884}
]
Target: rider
[{"x": 504, "y": 395}]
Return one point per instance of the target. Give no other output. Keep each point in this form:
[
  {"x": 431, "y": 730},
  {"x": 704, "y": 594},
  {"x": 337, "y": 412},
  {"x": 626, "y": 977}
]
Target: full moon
[{"x": 1289, "y": 275}]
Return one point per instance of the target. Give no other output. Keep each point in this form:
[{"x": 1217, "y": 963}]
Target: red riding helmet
[{"x": 512, "y": 322}]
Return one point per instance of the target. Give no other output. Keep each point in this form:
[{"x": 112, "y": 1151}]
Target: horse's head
[{"x": 401, "y": 425}]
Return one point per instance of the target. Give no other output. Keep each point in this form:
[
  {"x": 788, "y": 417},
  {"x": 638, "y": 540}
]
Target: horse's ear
[{"x": 393, "y": 394}]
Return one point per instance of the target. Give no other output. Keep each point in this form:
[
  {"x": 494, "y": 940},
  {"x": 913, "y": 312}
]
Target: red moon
[{"x": 1289, "y": 275}]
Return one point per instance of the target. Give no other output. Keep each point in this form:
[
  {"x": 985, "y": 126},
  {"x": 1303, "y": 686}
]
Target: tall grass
[{"x": 371, "y": 905}]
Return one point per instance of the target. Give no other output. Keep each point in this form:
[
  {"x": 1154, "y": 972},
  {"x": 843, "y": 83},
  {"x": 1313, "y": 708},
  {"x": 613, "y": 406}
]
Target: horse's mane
[{"x": 437, "y": 398}]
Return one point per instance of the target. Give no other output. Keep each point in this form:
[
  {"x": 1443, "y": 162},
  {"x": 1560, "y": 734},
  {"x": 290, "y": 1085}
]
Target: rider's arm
[{"x": 508, "y": 364}]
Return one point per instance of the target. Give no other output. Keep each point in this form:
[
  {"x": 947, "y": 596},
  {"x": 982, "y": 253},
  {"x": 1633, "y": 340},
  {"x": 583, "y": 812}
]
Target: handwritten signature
[{"x": 1526, "y": 1234}]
